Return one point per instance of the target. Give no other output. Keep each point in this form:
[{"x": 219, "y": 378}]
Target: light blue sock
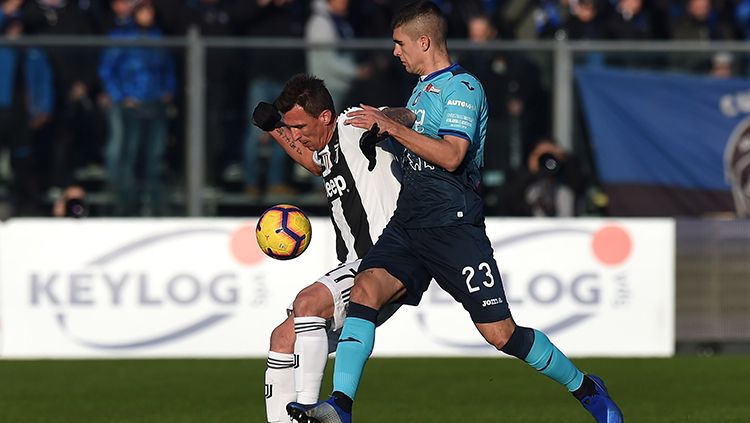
[
  {"x": 551, "y": 362},
  {"x": 355, "y": 346}
]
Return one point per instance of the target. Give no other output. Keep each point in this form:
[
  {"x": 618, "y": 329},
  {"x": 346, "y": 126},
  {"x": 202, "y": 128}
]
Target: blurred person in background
[
  {"x": 386, "y": 83},
  {"x": 551, "y": 184},
  {"x": 586, "y": 22},
  {"x": 698, "y": 20},
  {"x": 72, "y": 138},
  {"x": 328, "y": 24},
  {"x": 629, "y": 21},
  {"x": 26, "y": 96},
  {"x": 517, "y": 107},
  {"x": 118, "y": 23},
  {"x": 141, "y": 82},
  {"x": 722, "y": 65},
  {"x": 71, "y": 203},
  {"x": 225, "y": 110},
  {"x": 268, "y": 71},
  {"x": 531, "y": 20}
]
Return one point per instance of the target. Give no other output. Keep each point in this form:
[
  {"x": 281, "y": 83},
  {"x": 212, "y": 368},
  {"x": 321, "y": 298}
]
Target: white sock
[
  {"x": 311, "y": 351},
  {"x": 279, "y": 386}
]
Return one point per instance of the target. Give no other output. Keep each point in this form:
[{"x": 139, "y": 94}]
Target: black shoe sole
[{"x": 299, "y": 416}]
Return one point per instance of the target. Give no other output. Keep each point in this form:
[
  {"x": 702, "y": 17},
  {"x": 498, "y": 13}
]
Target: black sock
[
  {"x": 343, "y": 401},
  {"x": 587, "y": 389}
]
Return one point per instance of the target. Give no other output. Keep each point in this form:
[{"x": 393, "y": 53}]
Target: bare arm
[
  {"x": 297, "y": 152},
  {"x": 401, "y": 115},
  {"x": 447, "y": 152}
]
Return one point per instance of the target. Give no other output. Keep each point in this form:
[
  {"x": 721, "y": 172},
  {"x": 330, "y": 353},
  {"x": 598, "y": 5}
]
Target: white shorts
[{"x": 340, "y": 282}]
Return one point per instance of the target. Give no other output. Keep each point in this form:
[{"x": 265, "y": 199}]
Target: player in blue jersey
[{"x": 437, "y": 230}]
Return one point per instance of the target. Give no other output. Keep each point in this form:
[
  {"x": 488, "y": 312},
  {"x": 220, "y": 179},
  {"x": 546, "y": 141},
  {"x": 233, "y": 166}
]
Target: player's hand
[
  {"x": 266, "y": 116},
  {"x": 367, "y": 117},
  {"x": 367, "y": 143}
]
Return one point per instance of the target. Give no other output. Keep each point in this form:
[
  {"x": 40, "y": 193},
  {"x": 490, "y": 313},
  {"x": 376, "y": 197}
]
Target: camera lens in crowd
[
  {"x": 549, "y": 164},
  {"x": 76, "y": 208}
]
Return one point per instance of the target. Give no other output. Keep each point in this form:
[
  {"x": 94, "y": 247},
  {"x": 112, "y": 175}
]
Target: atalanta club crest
[{"x": 432, "y": 89}]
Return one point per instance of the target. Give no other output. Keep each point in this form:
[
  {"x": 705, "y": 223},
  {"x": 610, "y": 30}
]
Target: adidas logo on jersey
[{"x": 336, "y": 186}]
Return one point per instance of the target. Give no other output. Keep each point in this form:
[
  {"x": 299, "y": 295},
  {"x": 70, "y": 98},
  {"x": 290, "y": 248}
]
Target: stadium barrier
[{"x": 201, "y": 288}]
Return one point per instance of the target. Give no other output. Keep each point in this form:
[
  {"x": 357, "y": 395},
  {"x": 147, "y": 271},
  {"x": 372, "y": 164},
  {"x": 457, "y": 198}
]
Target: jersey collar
[{"x": 438, "y": 72}]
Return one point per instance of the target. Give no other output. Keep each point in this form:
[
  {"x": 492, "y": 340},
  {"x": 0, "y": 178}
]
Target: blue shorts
[{"x": 459, "y": 258}]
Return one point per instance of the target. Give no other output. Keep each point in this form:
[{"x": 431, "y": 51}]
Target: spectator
[
  {"x": 141, "y": 82},
  {"x": 268, "y": 71},
  {"x": 71, "y": 203},
  {"x": 530, "y": 20},
  {"x": 721, "y": 65},
  {"x": 551, "y": 184},
  {"x": 328, "y": 24},
  {"x": 26, "y": 98},
  {"x": 225, "y": 110},
  {"x": 120, "y": 22},
  {"x": 699, "y": 22},
  {"x": 629, "y": 21},
  {"x": 72, "y": 138},
  {"x": 517, "y": 106},
  {"x": 585, "y": 23}
]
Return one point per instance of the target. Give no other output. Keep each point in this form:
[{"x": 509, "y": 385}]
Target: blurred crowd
[{"x": 68, "y": 114}]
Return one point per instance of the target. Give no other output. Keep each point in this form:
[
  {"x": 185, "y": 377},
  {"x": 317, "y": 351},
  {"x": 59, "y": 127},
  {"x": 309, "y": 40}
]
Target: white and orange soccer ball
[{"x": 283, "y": 232}]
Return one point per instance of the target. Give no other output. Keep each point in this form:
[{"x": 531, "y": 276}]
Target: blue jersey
[{"x": 450, "y": 101}]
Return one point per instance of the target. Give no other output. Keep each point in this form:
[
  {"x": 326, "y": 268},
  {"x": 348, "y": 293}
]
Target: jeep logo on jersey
[{"x": 336, "y": 186}]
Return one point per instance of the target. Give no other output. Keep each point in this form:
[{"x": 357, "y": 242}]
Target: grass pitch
[{"x": 683, "y": 389}]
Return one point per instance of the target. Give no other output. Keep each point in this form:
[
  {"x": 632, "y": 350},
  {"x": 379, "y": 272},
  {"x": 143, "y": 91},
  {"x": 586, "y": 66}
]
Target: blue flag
[{"x": 661, "y": 132}]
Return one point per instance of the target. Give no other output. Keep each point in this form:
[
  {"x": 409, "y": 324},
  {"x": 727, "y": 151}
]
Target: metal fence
[{"x": 562, "y": 57}]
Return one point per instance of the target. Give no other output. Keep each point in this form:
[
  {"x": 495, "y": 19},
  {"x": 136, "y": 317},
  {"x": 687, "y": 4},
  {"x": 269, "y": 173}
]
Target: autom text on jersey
[
  {"x": 450, "y": 101},
  {"x": 360, "y": 202}
]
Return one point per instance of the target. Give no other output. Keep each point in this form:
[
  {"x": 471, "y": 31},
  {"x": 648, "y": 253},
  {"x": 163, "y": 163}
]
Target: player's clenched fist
[{"x": 266, "y": 116}]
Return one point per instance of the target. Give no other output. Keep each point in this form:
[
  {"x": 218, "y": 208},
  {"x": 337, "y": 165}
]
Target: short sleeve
[{"x": 462, "y": 100}]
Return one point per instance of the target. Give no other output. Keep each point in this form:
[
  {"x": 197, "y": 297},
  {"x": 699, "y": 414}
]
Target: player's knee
[
  {"x": 313, "y": 302},
  {"x": 365, "y": 291},
  {"x": 498, "y": 333},
  {"x": 282, "y": 339}
]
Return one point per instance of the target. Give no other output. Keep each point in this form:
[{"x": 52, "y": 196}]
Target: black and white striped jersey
[{"x": 361, "y": 202}]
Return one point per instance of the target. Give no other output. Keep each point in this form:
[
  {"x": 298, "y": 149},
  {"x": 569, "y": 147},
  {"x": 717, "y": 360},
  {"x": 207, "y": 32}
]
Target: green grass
[{"x": 684, "y": 389}]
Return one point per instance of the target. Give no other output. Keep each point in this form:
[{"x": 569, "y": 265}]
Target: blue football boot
[
  {"x": 322, "y": 412},
  {"x": 600, "y": 405}
]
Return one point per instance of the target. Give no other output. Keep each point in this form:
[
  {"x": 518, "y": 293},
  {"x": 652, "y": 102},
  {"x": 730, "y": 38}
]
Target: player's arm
[
  {"x": 447, "y": 152},
  {"x": 268, "y": 119},
  {"x": 402, "y": 115},
  {"x": 298, "y": 153}
]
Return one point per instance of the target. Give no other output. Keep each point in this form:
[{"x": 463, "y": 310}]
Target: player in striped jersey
[{"x": 352, "y": 162}]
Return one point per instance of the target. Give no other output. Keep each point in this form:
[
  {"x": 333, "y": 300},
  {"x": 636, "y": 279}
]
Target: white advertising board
[
  {"x": 146, "y": 288},
  {"x": 201, "y": 288},
  {"x": 595, "y": 287}
]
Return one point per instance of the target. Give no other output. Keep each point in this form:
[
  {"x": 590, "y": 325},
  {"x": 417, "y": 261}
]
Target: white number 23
[{"x": 468, "y": 271}]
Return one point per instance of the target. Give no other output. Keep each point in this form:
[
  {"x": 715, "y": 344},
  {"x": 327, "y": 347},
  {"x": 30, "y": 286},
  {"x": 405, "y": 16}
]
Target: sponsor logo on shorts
[{"x": 491, "y": 302}]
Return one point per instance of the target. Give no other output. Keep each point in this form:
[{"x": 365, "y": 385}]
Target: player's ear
[
  {"x": 326, "y": 117},
  {"x": 424, "y": 42}
]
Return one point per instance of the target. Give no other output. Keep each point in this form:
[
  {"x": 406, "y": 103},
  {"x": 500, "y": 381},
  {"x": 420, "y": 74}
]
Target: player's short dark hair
[
  {"x": 426, "y": 15},
  {"x": 307, "y": 91}
]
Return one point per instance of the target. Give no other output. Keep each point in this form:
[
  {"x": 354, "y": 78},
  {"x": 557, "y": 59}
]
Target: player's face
[
  {"x": 407, "y": 50},
  {"x": 307, "y": 130}
]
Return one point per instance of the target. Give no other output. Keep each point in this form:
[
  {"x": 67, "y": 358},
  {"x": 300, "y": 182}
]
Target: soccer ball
[{"x": 283, "y": 232}]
